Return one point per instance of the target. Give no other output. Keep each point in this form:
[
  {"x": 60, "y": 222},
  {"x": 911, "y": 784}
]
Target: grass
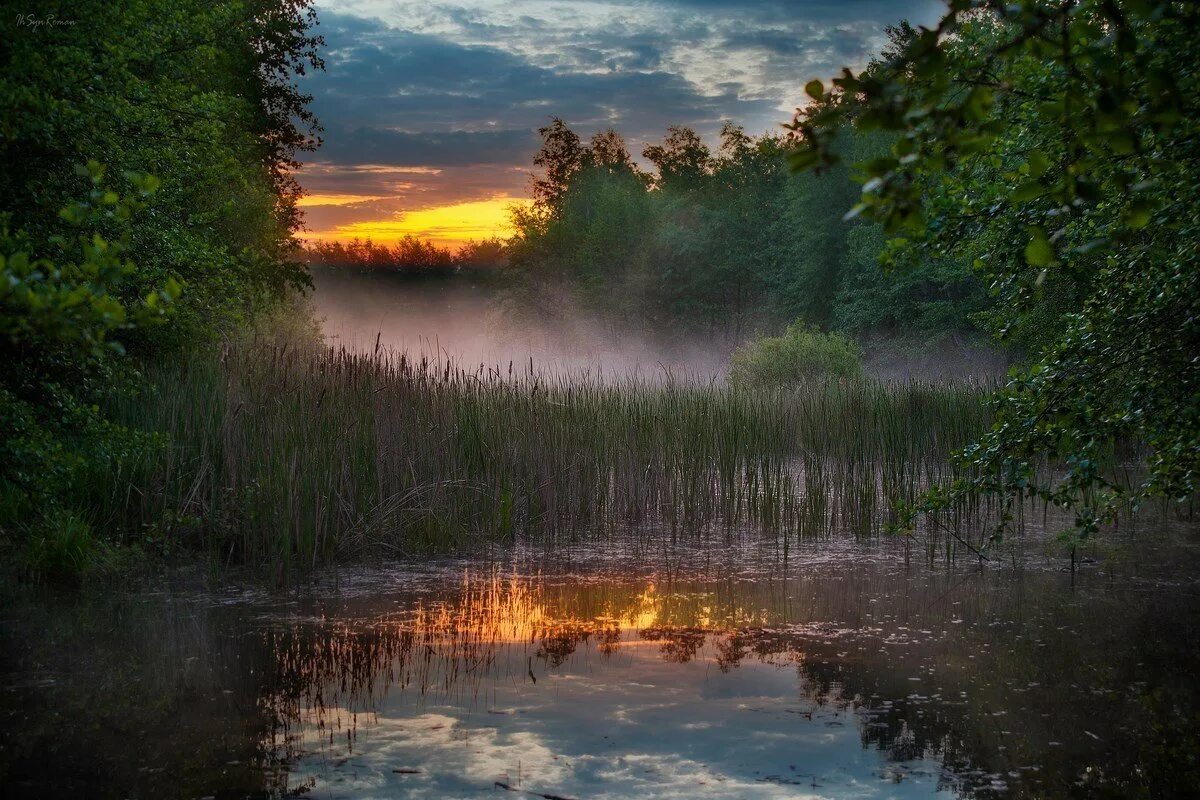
[
  {"x": 60, "y": 548},
  {"x": 289, "y": 456}
]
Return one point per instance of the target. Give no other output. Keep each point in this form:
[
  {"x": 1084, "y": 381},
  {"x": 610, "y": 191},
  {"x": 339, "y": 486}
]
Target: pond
[{"x": 723, "y": 672}]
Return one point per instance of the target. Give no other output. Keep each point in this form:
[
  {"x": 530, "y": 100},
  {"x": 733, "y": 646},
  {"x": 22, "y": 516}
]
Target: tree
[
  {"x": 683, "y": 159},
  {"x": 485, "y": 254},
  {"x": 560, "y": 157},
  {"x": 204, "y": 96},
  {"x": 801, "y": 354},
  {"x": 607, "y": 151},
  {"x": 62, "y": 320},
  {"x": 1051, "y": 143},
  {"x": 726, "y": 245}
]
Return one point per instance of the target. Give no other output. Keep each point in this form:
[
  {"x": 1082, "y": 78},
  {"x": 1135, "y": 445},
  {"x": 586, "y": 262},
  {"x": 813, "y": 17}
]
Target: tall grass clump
[
  {"x": 273, "y": 453},
  {"x": 60, "y": 546}
]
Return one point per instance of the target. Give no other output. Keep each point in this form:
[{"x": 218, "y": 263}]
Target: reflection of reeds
[
  {"x": 455, "y": 647},
  {"x": 487, "y": 629},
  {"x": 286, "y": 456}
]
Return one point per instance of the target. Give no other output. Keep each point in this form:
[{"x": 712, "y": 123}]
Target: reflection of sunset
[
  {"x": 449, "y": 225},
  {"x": 489, "y": 642},
  {"x": 494, "y": 625},
  {"x": 511, "y": 610},
  {"x": 644, "y": 611}
]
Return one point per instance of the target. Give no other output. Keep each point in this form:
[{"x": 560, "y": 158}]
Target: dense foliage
[
  {"x": 801, "y": 354},
  {"x": 61, "y": 322},
  {"x": 200, "y": 95},
  {"x": 727, "y": 242},
  {"x": 1053, "y": 144}
]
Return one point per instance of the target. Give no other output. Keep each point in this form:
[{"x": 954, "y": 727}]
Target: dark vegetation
[
  {"x": 93, "y": 260},
  {"x": 408, "y": 257},
  {"x": 730, "y": 242},
  {"x": 288, "y": 457},
  {"x": 1053, "y": 145},
  {"x": 1027, "y": 170}
]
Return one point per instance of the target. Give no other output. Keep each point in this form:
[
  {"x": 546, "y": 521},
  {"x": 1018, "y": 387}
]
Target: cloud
[
  {"x": 398, "y": 88},
  {"x": 430, "y": 149},
  {"x": 462, "y": 86}
]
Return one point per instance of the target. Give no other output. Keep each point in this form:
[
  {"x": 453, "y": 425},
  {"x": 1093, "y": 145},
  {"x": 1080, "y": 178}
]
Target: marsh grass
[{"x": 290, "y": 456}]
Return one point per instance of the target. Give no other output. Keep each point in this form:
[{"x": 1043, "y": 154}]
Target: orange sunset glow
[
  {"x": 310, "y": 200},
  {"x": 449, "y": 225}
]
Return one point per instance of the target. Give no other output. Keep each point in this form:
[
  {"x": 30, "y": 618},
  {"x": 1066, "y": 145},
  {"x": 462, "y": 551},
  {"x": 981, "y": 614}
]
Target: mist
[{"x": 468, "y": 321}]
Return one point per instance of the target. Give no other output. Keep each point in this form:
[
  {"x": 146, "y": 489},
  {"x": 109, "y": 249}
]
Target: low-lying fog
[
  {"x": 463, "y": 319},
  {"x": 467, "y": 320}
]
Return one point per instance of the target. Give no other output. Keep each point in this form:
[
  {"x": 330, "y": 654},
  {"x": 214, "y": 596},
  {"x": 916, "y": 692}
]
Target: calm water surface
[{"x": 736, "y": 674}]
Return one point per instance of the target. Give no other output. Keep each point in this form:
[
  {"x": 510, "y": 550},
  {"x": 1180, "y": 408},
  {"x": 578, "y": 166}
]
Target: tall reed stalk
[{"x": 291, "y": 456}]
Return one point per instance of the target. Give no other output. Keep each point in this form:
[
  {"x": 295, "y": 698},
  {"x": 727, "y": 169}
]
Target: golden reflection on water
[
  {"x": 621, "y": 682},
  {"x": 493, "y": 627},
  {"x": 522, "y": 609},
  {"x": 495, "y": 646},
  {"x": 619, "y": 685}
]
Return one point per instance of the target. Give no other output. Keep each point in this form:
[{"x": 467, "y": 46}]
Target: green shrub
[
  {"x": 801, "y": 353},
  {"x": 64, "y": 317}
]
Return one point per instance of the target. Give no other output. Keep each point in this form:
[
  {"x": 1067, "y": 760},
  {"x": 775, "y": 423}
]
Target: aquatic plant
[
  {"x": 59, "y": 548},
  {"x": 288, "y": 455}
]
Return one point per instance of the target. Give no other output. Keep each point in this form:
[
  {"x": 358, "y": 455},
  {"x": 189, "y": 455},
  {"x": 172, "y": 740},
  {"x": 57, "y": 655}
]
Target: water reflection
[
  {"x": 619, "y": 691},
  {"x": 858, "y": 678}
]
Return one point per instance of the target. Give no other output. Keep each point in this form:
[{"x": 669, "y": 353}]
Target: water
[{"x": 843, "y": 672}]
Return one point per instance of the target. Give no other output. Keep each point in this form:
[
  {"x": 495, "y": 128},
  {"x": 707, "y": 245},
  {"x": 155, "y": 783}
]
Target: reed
[{"x": 290, "y": 456}]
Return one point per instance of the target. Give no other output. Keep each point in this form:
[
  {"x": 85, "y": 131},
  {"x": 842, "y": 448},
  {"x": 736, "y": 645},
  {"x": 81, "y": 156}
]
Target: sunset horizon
[
  {"x": 431, "y": 111},
  {"x": 450, "y": 225}
]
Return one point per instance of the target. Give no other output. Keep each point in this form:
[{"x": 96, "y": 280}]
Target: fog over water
[
  {"x": 467, "y": 321},
  {"x": 470, "y": 321}
]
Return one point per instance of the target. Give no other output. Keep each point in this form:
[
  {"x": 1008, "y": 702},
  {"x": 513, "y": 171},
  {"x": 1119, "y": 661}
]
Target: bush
[
  {"x": 801, "y": 353},
  {"x": 63, "y": 320}
]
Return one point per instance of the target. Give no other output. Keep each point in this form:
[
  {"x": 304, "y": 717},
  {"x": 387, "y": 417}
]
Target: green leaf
[
  {"x": 803, "y": 158},
  {"x": 1026, "y": 192},
  {"x": 75, "y": 213},
  {"x": 1039, "y": 252},
  {"x": 1137, "y": 216},
  {"x": 1122, "y": 142},
  {"x": 815, "y": 89},
  {"x": 1038, "y": 163}
]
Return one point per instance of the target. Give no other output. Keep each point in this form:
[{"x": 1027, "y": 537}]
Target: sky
[{"x": 431, "y": 109}]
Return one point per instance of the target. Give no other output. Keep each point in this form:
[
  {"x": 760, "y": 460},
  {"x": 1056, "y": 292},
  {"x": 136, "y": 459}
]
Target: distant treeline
[
  {"x": 728, "y": 241},
  {"x": 410, "y": 255}
]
